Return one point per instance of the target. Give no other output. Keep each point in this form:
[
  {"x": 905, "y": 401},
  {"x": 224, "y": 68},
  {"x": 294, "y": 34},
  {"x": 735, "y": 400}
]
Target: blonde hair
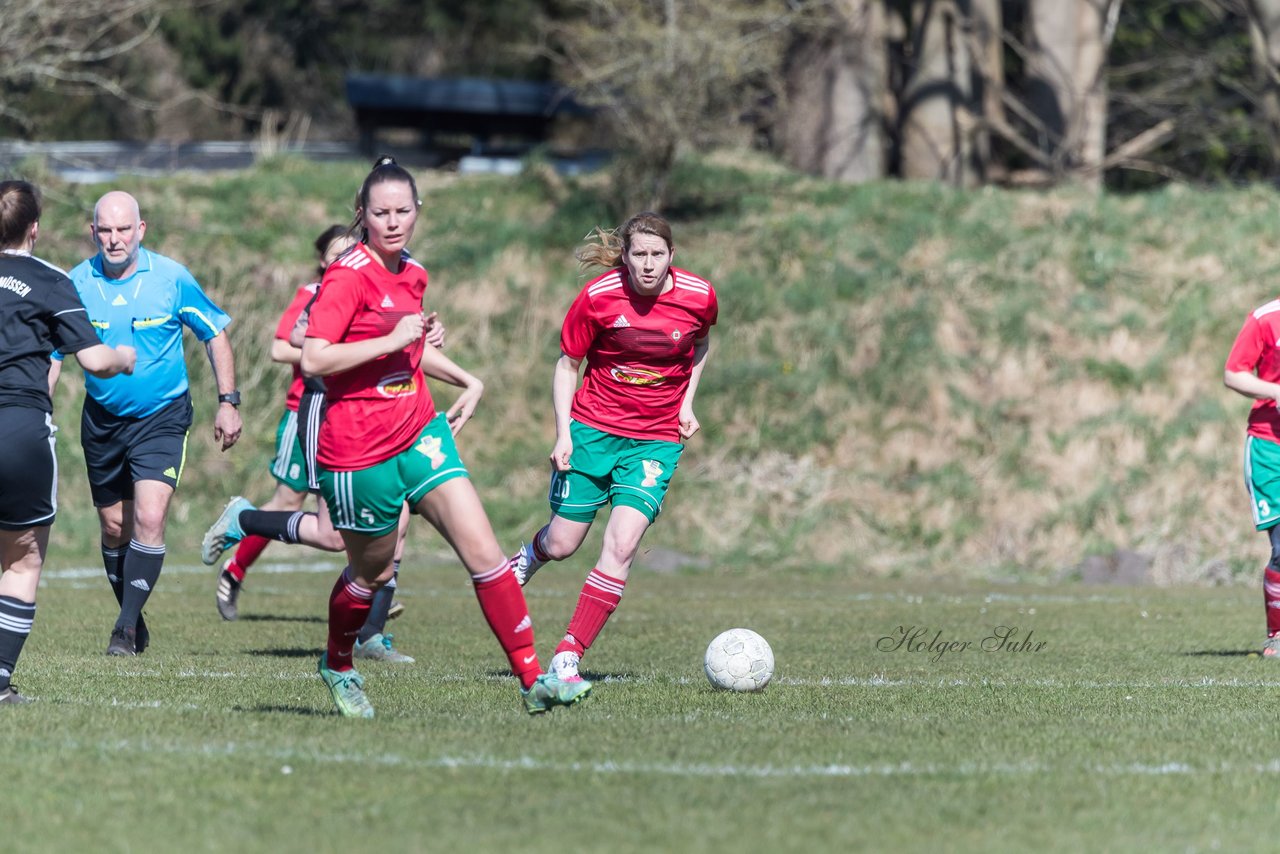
[{"x": 607, "y": 248}]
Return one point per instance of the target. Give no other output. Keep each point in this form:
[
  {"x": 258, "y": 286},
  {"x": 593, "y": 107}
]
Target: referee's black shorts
[
  {"x": 28, "y": 469},
  {"x": 311, "y": 409},
  {"x": 120, "y": 451}
]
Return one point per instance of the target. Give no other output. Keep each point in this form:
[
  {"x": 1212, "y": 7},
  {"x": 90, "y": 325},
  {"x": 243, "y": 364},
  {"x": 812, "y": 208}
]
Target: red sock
[
  {"x": 246, "y": 553},
  {"x": 502, "y": 602},
  {"x": 599, "y": 598},
  {"x": 348, "y": 607},
  {"x": 538, "y": 553},
  {"x": 1271, "y": 596}
]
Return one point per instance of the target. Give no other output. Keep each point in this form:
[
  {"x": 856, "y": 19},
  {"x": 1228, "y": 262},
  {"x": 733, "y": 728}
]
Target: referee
[
  {"x": 39, "y": 311},
  {"x": 134, "y": 429}
]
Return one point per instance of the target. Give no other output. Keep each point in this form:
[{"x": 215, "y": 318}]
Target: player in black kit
[{"x": 39, "y": 312}]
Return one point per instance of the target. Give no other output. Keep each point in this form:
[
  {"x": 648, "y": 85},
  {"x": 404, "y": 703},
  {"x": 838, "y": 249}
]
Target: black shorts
[
  {"x": 120, "y": 451},
  {"x": 28, "y": 469},
  {"x": 311, "y": 409}
]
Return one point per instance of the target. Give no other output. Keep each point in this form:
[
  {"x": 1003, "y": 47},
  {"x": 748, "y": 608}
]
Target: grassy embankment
[{"x": 905, "y": 378}]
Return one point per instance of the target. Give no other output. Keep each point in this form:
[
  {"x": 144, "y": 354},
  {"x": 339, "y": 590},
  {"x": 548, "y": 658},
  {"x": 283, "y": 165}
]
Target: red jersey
[
  {"x": 376, "y": 409},
  {"x": 288, "y": 320},
  {"x": 639, "y": 352},
  {"x": 1257, "y": 349}
]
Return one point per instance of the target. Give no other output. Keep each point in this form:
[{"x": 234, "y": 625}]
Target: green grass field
[{"x": 1141, "y": 721}]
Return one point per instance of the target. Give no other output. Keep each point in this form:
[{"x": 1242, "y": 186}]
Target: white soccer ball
[{"x": 739, "y": 660}]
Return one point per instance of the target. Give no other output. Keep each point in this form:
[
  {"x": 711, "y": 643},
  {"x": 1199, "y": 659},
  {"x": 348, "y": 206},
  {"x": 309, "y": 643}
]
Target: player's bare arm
[
  {"x": 1250, "y": 385},
  {"x": 688, "y": 421},
  {"x": 564, "y": 382},
  {"x": 439, "y": 366},
  {"x": 321, "y": 358}
]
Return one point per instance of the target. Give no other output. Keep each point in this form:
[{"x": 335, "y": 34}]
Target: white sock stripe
[
  {"x": 16, "y": 607},
  {"x": 605, "y": 583},
  {"x": 146, "y": 549},
  {"x": 354, "y": 588},
  {"x": 539, "y": 542},
  {"x": 491, "y": 574},
  {"x": 15, "y": 625},
  {"x": 295, "y": 522}
]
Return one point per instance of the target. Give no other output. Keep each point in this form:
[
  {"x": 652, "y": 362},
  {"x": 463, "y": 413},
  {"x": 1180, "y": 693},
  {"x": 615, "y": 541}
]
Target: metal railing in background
[
  {"x": 100, "y": 162},
  {"x": 95, "y": 162}
]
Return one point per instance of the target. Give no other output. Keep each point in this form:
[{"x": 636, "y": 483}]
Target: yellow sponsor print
[
  {"x": 635, "y": 376},
  {"x": 397, "y": 385}
]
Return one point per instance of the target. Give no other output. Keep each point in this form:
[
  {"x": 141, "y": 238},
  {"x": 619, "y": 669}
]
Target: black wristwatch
[{"x": 232, "y": 398}]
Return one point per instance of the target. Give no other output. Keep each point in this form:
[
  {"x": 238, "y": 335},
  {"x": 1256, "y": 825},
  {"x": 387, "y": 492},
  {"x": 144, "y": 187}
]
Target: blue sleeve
[{"x": 196, "y": 310}]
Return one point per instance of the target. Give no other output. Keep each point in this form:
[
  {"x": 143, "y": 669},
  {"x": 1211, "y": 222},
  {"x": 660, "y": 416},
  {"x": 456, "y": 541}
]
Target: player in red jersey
[
  {"x": 383, "y": 443},
  {"x": 643, "y": 329},
  {"x": 1253, "y": 370},
  {"x": 251, "y": 529}
]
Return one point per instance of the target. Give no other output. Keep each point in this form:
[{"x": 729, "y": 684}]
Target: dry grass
[{"x": 988, "y": 383}]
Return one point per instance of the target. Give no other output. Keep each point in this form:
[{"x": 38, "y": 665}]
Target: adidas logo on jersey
[
  {"x": 387, "y": 303},
  {"x": 119, "y": 300},
  {"x": 621, "y": 323}
]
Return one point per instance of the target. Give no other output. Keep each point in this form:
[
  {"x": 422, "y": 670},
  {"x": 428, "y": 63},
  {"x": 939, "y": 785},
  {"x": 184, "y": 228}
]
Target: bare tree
[
  {"x": 1066, "y": 63},
  {"x": 837, "y": 85},
  {"x": 938, "y": 101},
  {"x": 669, "y": 76},
  {"x": 1264, "y": 33},
  {"x": 66, "y": 45}
]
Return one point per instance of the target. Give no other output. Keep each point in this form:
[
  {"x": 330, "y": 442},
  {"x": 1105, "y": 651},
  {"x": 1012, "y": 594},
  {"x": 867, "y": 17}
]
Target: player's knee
[
  {"x": 112, "y": 529},
  {"x": 558, "y": 547}
]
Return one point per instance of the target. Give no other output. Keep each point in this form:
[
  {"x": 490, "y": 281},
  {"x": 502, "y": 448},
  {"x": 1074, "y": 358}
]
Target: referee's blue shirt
[{"x": 146, "y": 311}]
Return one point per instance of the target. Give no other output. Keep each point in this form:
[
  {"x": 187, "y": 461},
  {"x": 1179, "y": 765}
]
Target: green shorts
[
  {"x": 613, "y": 469},
  {"x": 369, "y": 501},
  {"x": 288, "y": 467},
  {"x": 1262, "y": 479}
]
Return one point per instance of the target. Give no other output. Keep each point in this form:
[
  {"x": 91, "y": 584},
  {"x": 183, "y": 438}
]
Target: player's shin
[
  {"x": 348, "y": 608},
  {"x": 504, "y": 607}
]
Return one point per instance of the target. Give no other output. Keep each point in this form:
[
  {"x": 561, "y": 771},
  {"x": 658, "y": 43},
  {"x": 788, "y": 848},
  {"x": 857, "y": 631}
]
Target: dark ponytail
[{"x": 19, "y": 208}]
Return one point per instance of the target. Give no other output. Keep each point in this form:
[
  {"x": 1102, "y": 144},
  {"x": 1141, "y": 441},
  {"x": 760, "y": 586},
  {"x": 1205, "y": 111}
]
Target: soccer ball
[{"x": 739, "y": 660}]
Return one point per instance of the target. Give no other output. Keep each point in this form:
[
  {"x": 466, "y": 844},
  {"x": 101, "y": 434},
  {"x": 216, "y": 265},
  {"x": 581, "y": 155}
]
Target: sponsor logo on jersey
[
  {"x": 675, "y": 335},
  {"x": 387, "y": 303},
  {"x": 652, "y": 471},
  {"x": 397, "y": 385},
  {"x": 621, "y": 323},
  {"x": 635, "y": 376},
  {"x": 119, "y": 300}
]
